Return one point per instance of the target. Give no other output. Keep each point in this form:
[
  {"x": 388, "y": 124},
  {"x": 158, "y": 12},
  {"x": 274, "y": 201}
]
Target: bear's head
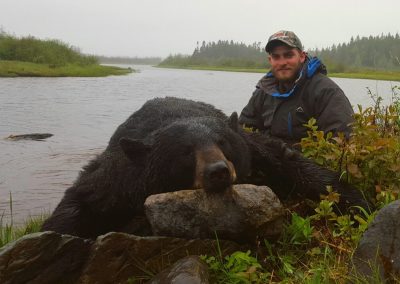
[{"x": 202, "y": 152}]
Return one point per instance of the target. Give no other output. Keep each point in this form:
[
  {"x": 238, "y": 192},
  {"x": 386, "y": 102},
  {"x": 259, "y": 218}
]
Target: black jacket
[{"x": 283, "y": 115}]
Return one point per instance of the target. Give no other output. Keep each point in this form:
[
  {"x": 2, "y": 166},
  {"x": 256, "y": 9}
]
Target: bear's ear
[
  {"x": 234, "y": 121},
  {"x": 134, "y": 149}
]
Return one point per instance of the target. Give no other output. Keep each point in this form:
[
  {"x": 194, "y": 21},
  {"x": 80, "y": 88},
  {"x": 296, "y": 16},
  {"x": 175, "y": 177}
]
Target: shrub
[{"x": 370, "y": 158}]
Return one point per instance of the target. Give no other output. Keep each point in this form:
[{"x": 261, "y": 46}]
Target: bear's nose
[{"x": 217, "y": 176}]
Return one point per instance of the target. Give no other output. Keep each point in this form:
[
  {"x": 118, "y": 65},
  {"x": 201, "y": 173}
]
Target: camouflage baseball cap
[{"x": 287, "y": 37}]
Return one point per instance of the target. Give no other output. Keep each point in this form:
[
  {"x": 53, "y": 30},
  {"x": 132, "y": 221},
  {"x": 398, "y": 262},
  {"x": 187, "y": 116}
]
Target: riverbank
[
  {"x": 27, "y": 69},
  {"x": 379, "y": 75}
]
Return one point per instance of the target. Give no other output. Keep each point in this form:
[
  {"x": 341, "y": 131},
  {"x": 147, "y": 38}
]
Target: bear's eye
[{"x": 221, "y": 142}]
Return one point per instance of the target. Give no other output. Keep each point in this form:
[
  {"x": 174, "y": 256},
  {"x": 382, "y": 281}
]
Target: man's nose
[{"x": 282, "y": 61}]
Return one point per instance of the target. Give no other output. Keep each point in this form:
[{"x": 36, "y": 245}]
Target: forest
[
  {"x": 373, "y": 53},
  {"x": 222, "y": 53}
]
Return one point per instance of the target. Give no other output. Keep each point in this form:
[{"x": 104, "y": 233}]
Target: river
[{"x": 83, "y": 113}]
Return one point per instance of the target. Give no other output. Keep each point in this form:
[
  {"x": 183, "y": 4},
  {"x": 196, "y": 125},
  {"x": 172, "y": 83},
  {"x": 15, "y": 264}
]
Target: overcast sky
[{"x": 163, "y": 27}]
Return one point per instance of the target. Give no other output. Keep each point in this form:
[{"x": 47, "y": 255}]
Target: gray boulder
[
  {"x": 378, "y": 253},
  {"x": 242, "y": 214},
  {"x": 43, "y": 258}
]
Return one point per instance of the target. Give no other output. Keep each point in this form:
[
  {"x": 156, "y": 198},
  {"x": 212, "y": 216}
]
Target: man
[{"x": 295, "y": 90}]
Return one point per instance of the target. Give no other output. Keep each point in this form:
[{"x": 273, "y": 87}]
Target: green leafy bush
[
  {"x": 299, "y": 230},
  {"x": 237, "y": 268},
  {"x": 55, "y": 53},
  {"x": 370, "y": 158}
]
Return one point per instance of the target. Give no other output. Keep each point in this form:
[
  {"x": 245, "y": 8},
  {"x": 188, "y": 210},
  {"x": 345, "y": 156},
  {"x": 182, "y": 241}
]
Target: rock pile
[{"x": 184, "y": 225}]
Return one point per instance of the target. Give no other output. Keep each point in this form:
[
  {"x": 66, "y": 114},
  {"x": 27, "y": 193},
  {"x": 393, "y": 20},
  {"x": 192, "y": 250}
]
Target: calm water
[{"x": 83, "y": 113}]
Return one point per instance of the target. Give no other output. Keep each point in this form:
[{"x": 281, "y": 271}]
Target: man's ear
[
  {"x": 134, "y": 149},
  {"x": 233, "y": 121},
  {"x": 303, "y": 56}
]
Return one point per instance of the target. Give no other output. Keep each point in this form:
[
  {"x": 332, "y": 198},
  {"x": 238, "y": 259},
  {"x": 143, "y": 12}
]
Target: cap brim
[{"x": 275, "y": 42}]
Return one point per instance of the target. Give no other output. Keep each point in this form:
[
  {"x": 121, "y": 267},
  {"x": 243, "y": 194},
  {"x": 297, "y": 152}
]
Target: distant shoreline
[
  {"x": 378, "y": 75},
  {"x": 28, "y": 69}
]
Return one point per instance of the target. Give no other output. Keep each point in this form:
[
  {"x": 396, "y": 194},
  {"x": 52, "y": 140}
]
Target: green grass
[
  {"x": 373, "y": 75},
  {"x": 27, "y": 69},
  {"x": 10, "y": 232}
]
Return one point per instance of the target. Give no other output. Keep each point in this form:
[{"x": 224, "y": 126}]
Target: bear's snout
[
  {"x": 217, "y": 176},
  {"x": 214, "y": 172}
]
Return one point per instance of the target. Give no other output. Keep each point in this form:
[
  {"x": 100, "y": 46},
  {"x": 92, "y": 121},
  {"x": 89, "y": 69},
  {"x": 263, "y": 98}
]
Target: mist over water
[{"x": 83, "y": 113}]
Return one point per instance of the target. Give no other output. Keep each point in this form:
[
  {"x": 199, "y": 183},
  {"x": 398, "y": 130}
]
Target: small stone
[{"x": 188, "y": 270}]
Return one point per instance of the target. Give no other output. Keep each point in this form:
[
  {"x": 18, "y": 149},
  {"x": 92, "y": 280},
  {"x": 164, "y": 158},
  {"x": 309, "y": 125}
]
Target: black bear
[
  {"x": 169, "y": 144},
  {"x": 172, "y": 144}
]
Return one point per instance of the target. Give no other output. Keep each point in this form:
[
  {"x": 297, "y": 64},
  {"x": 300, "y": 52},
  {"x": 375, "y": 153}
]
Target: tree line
[
  {"x": 360, "y": 53},
  {"x": 374, "y": 52},
  {"x": 368, "y": 53},
  {"x": 129, "y": 60},
  {"x": 222, "y": 53},
  {"x": 53, "y": 52}
]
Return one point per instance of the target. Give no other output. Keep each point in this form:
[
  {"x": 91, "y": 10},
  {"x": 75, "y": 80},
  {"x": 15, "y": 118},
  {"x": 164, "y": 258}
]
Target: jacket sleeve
[
  {"x": 251, "y": 113},
  {"x": 334, "y": 111}
]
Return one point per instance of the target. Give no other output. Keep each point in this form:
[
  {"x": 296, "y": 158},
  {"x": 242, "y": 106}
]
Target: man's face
[{"x": 286, "y": 62}]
